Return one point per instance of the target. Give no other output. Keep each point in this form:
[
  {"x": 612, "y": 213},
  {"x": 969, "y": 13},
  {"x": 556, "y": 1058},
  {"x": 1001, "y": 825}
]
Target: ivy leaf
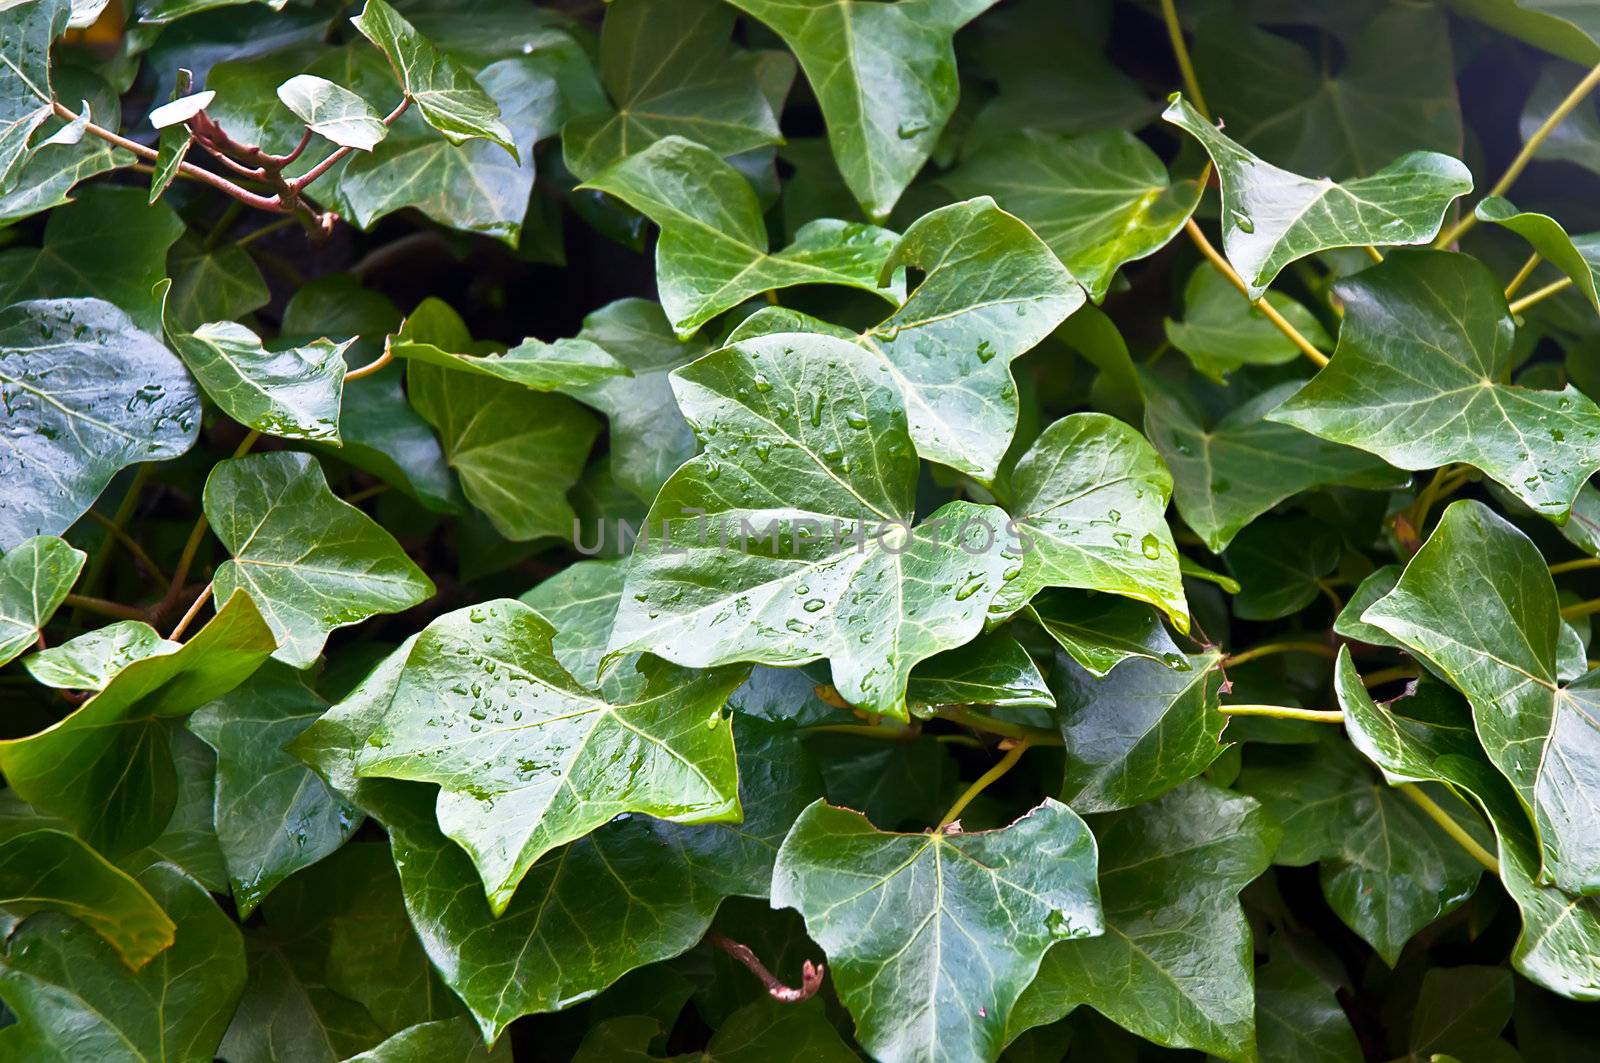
[
  {"x": 77, "y": 260},
  {"x": 712, "y": 254},
  {"x": 1100, "y": 631},
  {"x": 1222, "y": 331},
  {"x": 1576, "y": 256},
  {"x": 650, "y": 740},
  {"x": 992, "y": 669},
  {"x": 1138, "y": 732},
  {"x": 92, "y": 659},
  {"x": 1386, "y": 868},
  {"x": 1461, "y": 1011},
  {"x": 1271, "y": 217},
  {"x": 763, "y": 1030},
  {"x": 211, "y": 284},
  {"x": 1280, "y": 565},
  {"x": 48, "y": 870},
  {"x": 189, "y": 840},
  {"x": 1227, "y": 473},
  {"x": 649, "y": 437},
  {"x": 74, "y": 999},
  {"x": 107, "y": 767},
  {"x": 333, "y": 112},
  {"x": 311, "y": 561},
  {"x": 807, "y": 445},
  {"x": 87, "y": 394},
  {"x": 1090, "y": 495},
  {"x": 671, "y": 71},
  {"x": 25, "y": 92},
  {"x": 932, "y": 937},
  {"x": 434, "y": 334},
  {"x": 580, "y": 602},
  {"x": 1100, "y": 201},
  {"x": 449, "y": 99},
  {"x": 273, "y": 816},
  {"x": 516, "y": 451},
  {"x": 1417, "y": 378},
  {"x": 1174, "y": 965},
  {"x": 1298, "y": 1017},
  {"x": 1477, "y": 603},
  {"x": 885, "y": 76},
  {"x": 35, "y": 576},
  {"x": 294, "y": 392},
  {"x": 454, "y": 1039},
  {"x": 53, "y": 169}
]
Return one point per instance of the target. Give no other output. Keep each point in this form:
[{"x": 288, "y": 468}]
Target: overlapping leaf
[
  {"x": 1221, "y": 331},
  {"x": 1100, "y": 631},
  {"x": 1576, "y": 256},
  {"x": 92, "y": 659},
  {"x": 35, "y": 576},
  {"x": 25, "y": 92},
  {"x": 333, "y": 112},
  {"x": 435, "y": 335}
]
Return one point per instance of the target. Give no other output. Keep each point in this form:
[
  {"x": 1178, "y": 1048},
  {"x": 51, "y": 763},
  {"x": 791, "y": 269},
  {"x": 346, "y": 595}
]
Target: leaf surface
[{"x": 35, "y": 576}]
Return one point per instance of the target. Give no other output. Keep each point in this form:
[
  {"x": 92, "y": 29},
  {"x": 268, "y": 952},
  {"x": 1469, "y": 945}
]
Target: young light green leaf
[
  {"x": 1089, "y": 496},
  {"x": 1576, "y": 256},
  {"x": 1417, "y": 380},
  {"x": 1100, "y": 631},
  {"x": 273, "y": 816},
  {"x": 449, "y": 99},
  {"x": 712, "y": 254},
  {"x": 311, "y": 561},
  {"x": 1477, "y": 603},
  {"x": 106, "y": 768},
  {"x": 333, "y": 112},
  {"x": 1174, "y": 965},
  {"x": 932, "y": 937},
  {"x": 51, "y": 172},
  {"x": 35, "y": 576},
  {"x": 175, "y": 138},
  {"x": 87, "y": 394},
  {"x": 1227, "y": 473},
  {"x": 25, "y": 94},
  {"x": 528, "y": 759},
  {"x": 92, "y": 659},
  {"x": 435, "y": 335},
  {"x": 1138, "y": 732},
  {"x": 885, "y": 75},
  {"x": 516, "y": 451},
  {"x": 181, "y": 109},
  {"x": 74, "y": 999},
  {"x": 1387, "y": 870},
  {"x": 1271, "y": 217},
  {"x": 671, "y": 71},
  {"x": 294, "y": 392},
  {"x": 1100, "y": 201},
  {"x": 1222, "y": 331},
  {"x": 808, "y": 477},
  {"x": 48, "y": 870}
]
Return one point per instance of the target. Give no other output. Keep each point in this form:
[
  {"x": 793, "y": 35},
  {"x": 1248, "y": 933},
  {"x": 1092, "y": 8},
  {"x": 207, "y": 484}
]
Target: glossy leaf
[
  {"x": 25, "y": 91},
  {"x": 1576, "y": 256},
  {"x": 1101, "y": 631},
  {"x": 1271, "y": 217},
  {"x": 992, "y": 669},
  {"x": 35, "y": 576},
  {"x": 91, "y": 660},
  {"x": 1221, "y": 331},
  {"x": 433, "y": 332},
  {"x": 333, "y": 112}
]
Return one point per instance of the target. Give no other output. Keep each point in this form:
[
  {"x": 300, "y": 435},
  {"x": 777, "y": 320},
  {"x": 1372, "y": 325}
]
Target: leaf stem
[
  {"x": 1180, "y": 52},
  {"x": 1588, "y": 608},
  {"x": 366, "y": 493},
  {"x": 104, "y": 607},
  {"x": 1322, "y": 649},
  {"x": 193, "y": 611},
  {"x": 1037, "y": 736},
  {"x": 1285, "y": 712},
  {"x": 982, "y": 782},
  {"x": 810, "y": 974},
  {"x": 371, "y": 367},
  {"x": 1372, "y": 252},
  {"x": 114, "y": 530},
  {"x": 124, "y": 513},
  {"x": 861, "y": 730},
  {"x": 1388, "y": 675},
  {"x": 1573, "y": 566},
  {"x": 1525, "y": 156},
  {"x": 1517, "y": 306},
  {"x": 1306, "y": 347},
  {"x": 270, "y": 227},
  {"x": 299, "y": 183},
  {"x": 1448, "y": 824},
  {"x": 1522, "y": 274}
]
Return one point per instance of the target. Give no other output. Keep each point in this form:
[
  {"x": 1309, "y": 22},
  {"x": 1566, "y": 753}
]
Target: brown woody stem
[{"x": 810, "y": 974}]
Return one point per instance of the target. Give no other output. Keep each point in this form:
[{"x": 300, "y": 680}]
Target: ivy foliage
[{"x": 810, "y": 530}]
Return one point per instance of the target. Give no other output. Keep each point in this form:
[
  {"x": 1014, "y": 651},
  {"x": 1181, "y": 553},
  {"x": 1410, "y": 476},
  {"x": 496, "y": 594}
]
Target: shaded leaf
[
  {"x": 1576, "y": 256},
  {"x": 35, "y": 576},
  {"x": 1100, "y": 631},
  {"x": 1221, "y": 330},
  {"x": 435, "y": 335}
]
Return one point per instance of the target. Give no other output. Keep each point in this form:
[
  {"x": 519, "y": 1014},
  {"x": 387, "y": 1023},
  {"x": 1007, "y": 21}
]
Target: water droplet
[
  {"x": 985, "y": 351},
  {"x": 1243, "y": 223},
  {"x": 813, "y": 605},
  {"x": 1150, "y": 546}
]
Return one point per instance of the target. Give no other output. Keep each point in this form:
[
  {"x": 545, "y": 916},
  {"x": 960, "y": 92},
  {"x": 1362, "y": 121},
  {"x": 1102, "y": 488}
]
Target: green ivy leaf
[
  {"x": 35, "y": 576},
  {"x": 516, "y": 451},
  {"x": 434, "y": 334},
  {"x": 1222, "y": 331},
  {"x": 671, "y": 71},
  {"x": 1100, "y": 201},
  {"x": 211, "y": 284},
  {"x": 1387, "y": 870},
  {"x": 74, "y": 999},
  {"x": 764, "y": 1030},
  {"x": 1477, "y": 603},
  {"x": 1174, "y": 965},
  {"x": 449, "y": 99},
  {"x": 1576, "y": 256},
  {"x": 54, "y": 168},
  {"x": 92, "y": 659},
  {"x": 1228, "y": 472},
  {"x": 50, "y": 871},
  {"x": 312, "y": 562},
  {"x": 333, "y": 112},
  {"x": 804, "y": 428},
  {"x": 453, "y": 1039},
  {"x": 932, "y": 937},
  {"x": 712, "y": 254},
  {"x": 1280, "y": 565},
  {"x": 273, "y": 816},
  {"x": 189, "y": 840},
  {"x": 1271, "y": 217},
  {"x": 1138, "y": 732},
  {"x": 1418, "y": 380},
  {"x": 25, "y": 92},
  {"x": 992, "y": 669},
  {"x": 1298, "y": 1018},
  {"x": 885, "y": 75},
  {"x": 1090, "y": 494},
  {"x": 107, "y": 768},
  {"x": 1100, "y": 631},
  {"x": 87, "y": 394},
  {"x": 294, "y": 392},
  {"x": 651, "y": 739}
]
